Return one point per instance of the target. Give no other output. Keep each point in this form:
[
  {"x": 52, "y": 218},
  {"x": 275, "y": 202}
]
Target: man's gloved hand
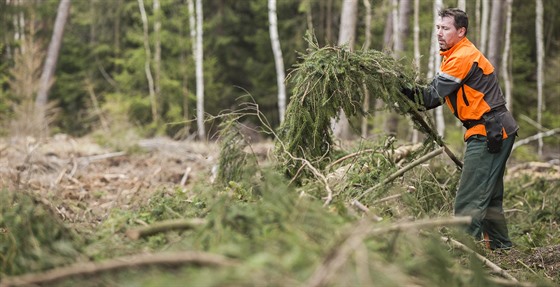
[{"x": 410, "y": 92}]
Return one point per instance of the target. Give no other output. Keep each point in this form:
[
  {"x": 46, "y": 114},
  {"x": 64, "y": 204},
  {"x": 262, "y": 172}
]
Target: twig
[
  {"x": 91, "y": 268},
  {"x": 395, "y": 196},
  {"x": 340, "y": 253},
  {"x": 535, "y": 137},
  {"x": 402, "y": 171},
  {"x": 434, "y": 135},
  {"x": 102, "y": 156},
  {"x": 164, "y": 226},
  {"x": 347, "y": 157},
  {"x": 484, "y": 260},
  {"x": 185, "y": 176}
]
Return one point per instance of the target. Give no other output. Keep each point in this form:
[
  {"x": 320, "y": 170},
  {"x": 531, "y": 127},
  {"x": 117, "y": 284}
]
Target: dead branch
[
  {"x": 340, "y": 253},
  {"x": 91, "y": 268},
  {"x": 434, "y": 135},
  {"x": 402, "y": 171},
  {"x": 347, "y": 157},
  {"x": 535, "y": 137},
  {"x": 395, "y": 196},
  {"x": 164, "y": 226},
  {"x": 495, "y": 268},
  {"x": 101, "y": 156}
]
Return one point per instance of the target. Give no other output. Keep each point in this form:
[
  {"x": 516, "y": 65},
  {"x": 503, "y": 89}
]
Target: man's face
[{"x": 447, "y": 34}]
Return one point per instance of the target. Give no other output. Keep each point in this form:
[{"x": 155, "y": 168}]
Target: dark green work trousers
[{"x": 481, "y": 191}]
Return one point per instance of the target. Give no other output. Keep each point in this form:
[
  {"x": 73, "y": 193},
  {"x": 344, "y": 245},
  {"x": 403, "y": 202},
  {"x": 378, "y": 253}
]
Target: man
[{"x": 469, "y": 86}]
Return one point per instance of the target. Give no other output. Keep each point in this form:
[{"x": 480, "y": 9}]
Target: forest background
[
  {"x": 118, "y": 117},
  {"x": 101, "y": 83}
]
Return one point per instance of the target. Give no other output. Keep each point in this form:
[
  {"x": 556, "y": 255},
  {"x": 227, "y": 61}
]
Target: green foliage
[
  {"x": 326, "y": 81},
  {"x": 32, "y": 237},
  {"x": 234, "y": 162}
]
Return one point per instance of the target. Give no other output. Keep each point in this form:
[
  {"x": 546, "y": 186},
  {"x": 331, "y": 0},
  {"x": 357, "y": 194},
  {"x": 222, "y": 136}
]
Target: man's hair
[{"x": 460, "y": 18}]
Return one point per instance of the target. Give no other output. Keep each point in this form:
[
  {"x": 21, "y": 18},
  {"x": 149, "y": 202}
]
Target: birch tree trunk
[
  {"x": 462, "y": 4},
  {"x": 401, "y": 12},
  {"x": 346, "y": 36},
  {"x": 416, "y": 29},
  {"x": 367, "y": 43},
  {"x": 494, "y": 42},
  {"x": 148, "y": 59},
  {"x": 505, "y": 56},
  {"x": 157, "y": 52},
  {"x": 433, "y": 66},
  {"x": 47, "y": 76},
  {"x": 540, "y": 67},
  {"x": 484, "y": 26},
  {"x": 199, "y": 74},
  {"x": 278, "y": 59}
]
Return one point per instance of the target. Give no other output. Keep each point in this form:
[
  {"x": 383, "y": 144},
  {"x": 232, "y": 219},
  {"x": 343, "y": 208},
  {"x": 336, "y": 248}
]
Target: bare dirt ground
[{"x": 83, "y": 181}]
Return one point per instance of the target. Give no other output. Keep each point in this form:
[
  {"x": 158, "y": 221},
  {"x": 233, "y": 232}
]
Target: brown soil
[{"x": 83, "y": 181}]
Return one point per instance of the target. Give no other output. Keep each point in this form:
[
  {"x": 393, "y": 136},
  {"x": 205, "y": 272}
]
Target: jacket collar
[{"x": 450, "y": 51}]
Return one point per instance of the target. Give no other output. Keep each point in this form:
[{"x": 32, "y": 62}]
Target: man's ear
[{"x": 462, "y": 31}]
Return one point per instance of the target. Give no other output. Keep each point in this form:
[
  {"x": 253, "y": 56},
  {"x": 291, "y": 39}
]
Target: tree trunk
[
  {"x": 148, "y": 59},
  {"x": 157, "y": 52},
  {"x": 366, "y": 46},
  {"x": 433, "y": 67},
  {"x": 47, "y": 76},
  {"x": 495, "y": 41},
  {"x": 346, "y": 36},
  {"x": 540, "y": 67},
  {"x": 401, "y": 12},
  {"x": 199, "y": 74},
  {"x": 462, "y": 4},
  {"x": 416, "y": 29},
  {"x": 278, "y": 59},
  {"x": 484, "y": 26},
  {"x": 505, "y": 56}
]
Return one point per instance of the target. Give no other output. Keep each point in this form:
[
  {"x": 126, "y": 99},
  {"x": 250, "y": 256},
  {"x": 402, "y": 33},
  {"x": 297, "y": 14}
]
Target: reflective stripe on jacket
[{"x": 470, "y": 88}]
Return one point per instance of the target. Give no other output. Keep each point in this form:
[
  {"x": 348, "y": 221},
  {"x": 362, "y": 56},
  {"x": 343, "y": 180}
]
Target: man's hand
[{"x": 410, "y": 92}]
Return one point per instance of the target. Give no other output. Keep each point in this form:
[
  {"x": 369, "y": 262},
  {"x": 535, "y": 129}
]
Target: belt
[{"x": 471, "y": 123}]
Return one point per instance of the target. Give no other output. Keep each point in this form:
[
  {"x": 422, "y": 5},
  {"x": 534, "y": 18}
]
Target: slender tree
[
  {"x": 484, "y": 26},
  {"x": 199, "y": 74},
  {"x": 496, "y": 31},
  {"x": 505, "y": 56},
  {"x": 278, "y": 59},
  {"x": 148, "y": 59},
  {"x": 367, "y": 43},
  {"x": 157, "y": 50},
  {"x": 346, "y": 36},
  {"x": 47, "y": 76},
  {"x": 433, "y": 66},
  {"x": 416, "y": 29},
  {"x": 540, "y": 67}
]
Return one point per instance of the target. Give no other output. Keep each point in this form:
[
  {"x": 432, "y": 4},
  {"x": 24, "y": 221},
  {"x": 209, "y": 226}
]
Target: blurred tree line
[{"x": 100, "y": 75}]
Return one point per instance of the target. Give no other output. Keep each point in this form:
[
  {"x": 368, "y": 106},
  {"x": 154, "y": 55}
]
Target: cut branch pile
[{"x": 332, "y": 79}]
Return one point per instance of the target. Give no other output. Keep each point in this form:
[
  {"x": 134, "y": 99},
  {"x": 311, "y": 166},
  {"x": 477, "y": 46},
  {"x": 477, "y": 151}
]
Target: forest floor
[{"x": 89, "y": 181}]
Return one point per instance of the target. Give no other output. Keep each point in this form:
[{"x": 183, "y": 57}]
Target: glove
[{"x": 410, "y": 92}]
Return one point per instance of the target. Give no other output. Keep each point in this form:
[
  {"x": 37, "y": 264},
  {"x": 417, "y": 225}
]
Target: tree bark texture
[
  {"x": 47, "y": 75},
  {"x": 278, "y": 59}
]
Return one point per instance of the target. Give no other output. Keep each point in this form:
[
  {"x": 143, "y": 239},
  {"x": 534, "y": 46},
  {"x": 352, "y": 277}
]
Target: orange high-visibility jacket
[{"x": 470, "y": 88}]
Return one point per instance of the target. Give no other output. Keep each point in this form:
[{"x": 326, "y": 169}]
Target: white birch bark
[
  {"x": 148, "y": 59},
  {"x": 505, "y": 56},
  {"x": 540, "y": 67},
  {"x": 346, "y": 36},
  {"x": 199, "y": 74},
  {"x": 157, "y": 49},
  {"x": 278, "y": 59},
  {"x": 433, "y": 68},
  {"x": 484, "y": 26},
  {"x": 47, "y": 75},
  {"x": 416, "y": 32},
  {"x": 367, "y": 43},
  {"x": 493, "y": 53},
  {"x": 462, "y": 4}
]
